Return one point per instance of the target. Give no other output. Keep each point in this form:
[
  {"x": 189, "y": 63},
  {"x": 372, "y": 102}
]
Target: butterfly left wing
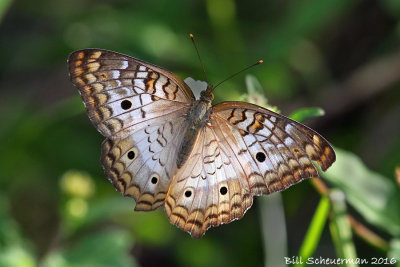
[{"x": 246, "y": 150}]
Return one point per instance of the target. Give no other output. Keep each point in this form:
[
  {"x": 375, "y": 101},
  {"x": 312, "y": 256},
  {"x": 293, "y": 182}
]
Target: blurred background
[{"x": 58, "y": 209}]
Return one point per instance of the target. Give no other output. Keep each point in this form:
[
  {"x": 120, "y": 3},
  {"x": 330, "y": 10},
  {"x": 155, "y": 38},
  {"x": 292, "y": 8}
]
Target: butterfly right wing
[{"x": 122, "y": 94}]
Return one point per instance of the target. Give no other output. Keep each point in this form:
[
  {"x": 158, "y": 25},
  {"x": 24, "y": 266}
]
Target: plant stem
[{"x": 314, "y": 232}]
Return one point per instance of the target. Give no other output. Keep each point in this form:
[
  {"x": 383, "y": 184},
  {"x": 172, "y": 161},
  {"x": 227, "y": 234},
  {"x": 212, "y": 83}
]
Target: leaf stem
[
  {"x": 359, "y": 229},
  {"x": 314, "y": 232}
]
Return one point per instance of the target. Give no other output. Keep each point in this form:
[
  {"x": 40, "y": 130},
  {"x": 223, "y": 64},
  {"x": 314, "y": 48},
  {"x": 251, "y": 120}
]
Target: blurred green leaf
[
  {"x": 4, "y": 4},
  {"x": 110, "y": 247},
  {"x": 341, "y": 229},
  {"x": 375, "y": 197},
  {"x": 150, "y": 227},
  {"x": 8, "y": 227},
  {"x": 392, "y": 6},
  {"x": 13, "y": 249},
  {"x": 255, "y": 94},
  {"x": 207, "y": 252},
  {"x": 303, "y": 114},
  {"x": 16, "y": 256},
  {"x": 394, "y": 251},
  {"x": 253, "y": 85},
  {"x": 99, "y": 210},
  {"x": 222, "y": 16},
  {"x": 315, "y": 229}
]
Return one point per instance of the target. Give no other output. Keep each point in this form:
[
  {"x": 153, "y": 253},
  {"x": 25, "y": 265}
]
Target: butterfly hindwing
[
  {"x": 122, "y": 93},
  {"x": 209, "y": 189},
  {"x": 142, "y": 165}
]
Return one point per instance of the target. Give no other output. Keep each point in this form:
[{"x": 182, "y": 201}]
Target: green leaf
[
  {"x": 255, "y": 94},
  {"x": 13, "y": 249},
  {"x": 4, "y": 5},
  {"x": 16, "y": 255},
  {"x": 341, "y": 229},
  {"x": 314, "y": 232},
  {"x": 253, "y": 85},
  {"x": 150, "y": 228},
  {"x": 102, "y": 248},
  {"x": 200, "y": 252},
  {"x": 100, "y": 210},
  {"x": 374, "y": 196},
  {"x": 392, "y": 7},
  {"x": 394, "y": 250},
  {"x": 306, "y": 113}
]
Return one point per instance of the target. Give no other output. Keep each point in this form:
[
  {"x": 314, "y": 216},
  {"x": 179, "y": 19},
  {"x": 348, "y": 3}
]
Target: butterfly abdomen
[{"x": 198, "y": 116}]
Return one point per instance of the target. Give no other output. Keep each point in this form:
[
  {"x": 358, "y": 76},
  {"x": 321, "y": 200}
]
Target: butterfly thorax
[
  {"x": 197, "y": 117},
  {"x": 207, "y": 94}
]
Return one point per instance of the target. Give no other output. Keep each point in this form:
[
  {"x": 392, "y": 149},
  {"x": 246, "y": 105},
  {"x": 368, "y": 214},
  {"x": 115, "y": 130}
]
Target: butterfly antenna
[
  {"x": 198, "y": 55},
  {"x": 233, "y": 75}
]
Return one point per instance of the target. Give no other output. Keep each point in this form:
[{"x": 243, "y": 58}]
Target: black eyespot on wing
[
  {"x": 260, "y": 156},
  {"x": 188, "y": 193},
  {"x": 131, "y": 154},
  {"x": 154, "y": 180},
  {"x": 126, "y": 104},
  {"x": 223, "y": 190}
]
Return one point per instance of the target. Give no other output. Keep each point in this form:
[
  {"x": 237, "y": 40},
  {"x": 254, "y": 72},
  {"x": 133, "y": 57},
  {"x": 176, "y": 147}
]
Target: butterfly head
[{"x": 207, "y": 95}]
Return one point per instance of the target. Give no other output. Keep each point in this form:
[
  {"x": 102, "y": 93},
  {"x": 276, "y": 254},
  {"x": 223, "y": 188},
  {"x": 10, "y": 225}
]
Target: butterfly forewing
[
  {"x": 121, "y": 93},
  {"x": 280, "y": 149}
]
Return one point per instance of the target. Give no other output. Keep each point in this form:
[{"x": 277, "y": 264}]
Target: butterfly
[{"x": 202, "y": 162}]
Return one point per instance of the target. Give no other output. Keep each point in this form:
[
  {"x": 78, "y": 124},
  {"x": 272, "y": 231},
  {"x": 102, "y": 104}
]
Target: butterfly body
[
  {"x": 197, "y": 117},
  {"x": 202, "y": 162}
]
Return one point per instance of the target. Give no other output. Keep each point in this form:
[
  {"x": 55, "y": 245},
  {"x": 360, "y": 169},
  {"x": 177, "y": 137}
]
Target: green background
[{"x": 57, "y": 208}]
